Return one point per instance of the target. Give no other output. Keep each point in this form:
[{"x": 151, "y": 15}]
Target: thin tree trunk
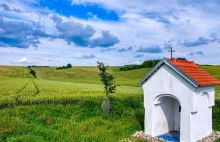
[{"x": 106, "y": 106}]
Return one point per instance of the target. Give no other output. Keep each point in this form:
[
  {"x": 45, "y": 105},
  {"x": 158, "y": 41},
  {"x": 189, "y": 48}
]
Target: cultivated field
[
  {"x": 90, "y": 75},
  {"x": 64, "y": 105}
]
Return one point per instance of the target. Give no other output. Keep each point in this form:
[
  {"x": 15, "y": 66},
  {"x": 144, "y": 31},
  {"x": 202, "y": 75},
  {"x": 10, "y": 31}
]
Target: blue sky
[{"x": 82, "y": 32}]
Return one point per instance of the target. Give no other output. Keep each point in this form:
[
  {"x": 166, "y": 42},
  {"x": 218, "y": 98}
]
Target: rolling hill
[
  {"x": 89, "y": 75},
  {"x": 65, "y": 105}
]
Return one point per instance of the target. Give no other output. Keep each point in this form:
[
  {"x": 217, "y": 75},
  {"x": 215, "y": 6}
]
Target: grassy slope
[
  {"x": 17, "y": 72},
  {"x": 90, "y": 75},
  {"x": 71, "y": 111},
  {"x": 68, "y": 112}
]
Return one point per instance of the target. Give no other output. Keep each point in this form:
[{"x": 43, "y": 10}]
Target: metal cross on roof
[{"x": 171, "y": 51}]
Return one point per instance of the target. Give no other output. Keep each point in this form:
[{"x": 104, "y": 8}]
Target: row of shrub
[
  {"x": 145, "y": 64},
  {"x": 38, "y": 66},
  {"x": 65, "y": 67},
  {"x": 32, "y": 72}
]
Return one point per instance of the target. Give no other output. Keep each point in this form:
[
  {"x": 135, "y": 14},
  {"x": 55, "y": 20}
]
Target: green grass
[
  {"x": 89, "y": 75},
  {"x": 63, "y": 111},
  {"x": 80, "y": 121},
  {"x": 86, "y": 74},
  {"x": 14, "y": 71},
  {"x": 213, "y": 70},
  {"x": 65, "y": 105}
]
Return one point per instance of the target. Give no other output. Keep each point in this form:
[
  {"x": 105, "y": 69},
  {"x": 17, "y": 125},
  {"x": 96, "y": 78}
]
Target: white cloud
[
  {"x": 23, "y": 60},
  {"x": 136, "y": 63},
  {"x": 125, "y": 5},
  {"x": 88, "y": 56},
  {"x": 52, "y": 60},
  {"x": 141, "y": 24}
]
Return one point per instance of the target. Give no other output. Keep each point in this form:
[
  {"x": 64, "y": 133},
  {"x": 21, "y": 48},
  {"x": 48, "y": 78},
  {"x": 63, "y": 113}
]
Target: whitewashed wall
[
  {"x": 201, "y": 116},
  {"x": 166, "y": 82}
]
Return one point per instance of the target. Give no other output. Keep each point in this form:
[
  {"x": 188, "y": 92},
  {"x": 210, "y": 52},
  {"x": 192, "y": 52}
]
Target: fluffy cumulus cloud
[
  {"x": 19, "y": 34},
  {"x": 75, "y": 33},
  {"x": 88, "y": 56},
  {"x": 167, "y": 46},
  {"x": 200, "y": 41},
  {"x": 117, "y": 32},
  {"x": 152, "y": 49},
  {"x": 56, "y": 18},
  {"x": 139, "y": 56},
  {"x": 108, "y": 49},
  {"x": 7, "y": 8},
  {"x": 23, "y": 60},
  {"x": 29, "y": 34},
  {"x": 125, "y": 49},
  {"x": 198, "y": 53},
  {"x": 52, "y": 59},
  {"x": 105, "y": 40},
  {"x": 82, "y": 35}
]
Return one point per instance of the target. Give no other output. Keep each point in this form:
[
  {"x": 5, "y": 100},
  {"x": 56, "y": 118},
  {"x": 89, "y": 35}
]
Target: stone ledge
[
  {"x": 141, "y": 135},
  {"x": 149, "y": 138},
  {"x": 212, "y": 137}
]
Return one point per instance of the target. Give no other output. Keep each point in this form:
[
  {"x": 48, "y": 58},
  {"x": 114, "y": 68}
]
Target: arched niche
[{"x": 159, "y": 99}]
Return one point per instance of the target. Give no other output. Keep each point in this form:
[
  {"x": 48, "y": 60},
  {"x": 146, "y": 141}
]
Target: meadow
[
  {"x": 65, "y": 105},
  {"x": 89, "y": 74}
]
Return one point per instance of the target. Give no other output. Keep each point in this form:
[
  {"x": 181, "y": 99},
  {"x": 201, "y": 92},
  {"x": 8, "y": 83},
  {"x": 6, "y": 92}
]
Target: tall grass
[
  {"x": 48, "y": 109},
  {"x": 18, "y": 72},
  {"x": 90, "y": 75},
  {"x": 67, "y": 112},
  {"x": 32, "y": 91}
]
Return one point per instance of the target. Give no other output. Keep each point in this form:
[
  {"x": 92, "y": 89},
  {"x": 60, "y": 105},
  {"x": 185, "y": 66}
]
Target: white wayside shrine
[{"x": 178, "y": 95}]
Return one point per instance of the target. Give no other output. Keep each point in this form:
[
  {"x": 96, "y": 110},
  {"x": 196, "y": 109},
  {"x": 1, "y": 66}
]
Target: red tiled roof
[{"x": 199, "y": 75}]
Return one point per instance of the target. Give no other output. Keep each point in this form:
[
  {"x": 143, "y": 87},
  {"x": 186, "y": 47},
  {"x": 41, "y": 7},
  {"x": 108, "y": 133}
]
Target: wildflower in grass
[
  {"x": 41, "y": 117},
  {"x": 83, "y": 127},
  {"x": 49, "y": 121},
  {"x": 67, "y": 105},
  {"x": 9, "y": 130},
  {"x": 122, "y": 123}
]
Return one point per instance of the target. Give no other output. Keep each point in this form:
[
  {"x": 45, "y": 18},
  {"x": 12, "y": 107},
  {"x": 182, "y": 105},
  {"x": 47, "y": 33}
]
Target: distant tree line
[
  {"x": 145, "y": 64},
  {"x": 150, "y": 63},
  {"x": 180, "y": 58},
  {"x": 38, "y": 66},
  {"x": 65, "y": 67},
  {"x": 32, "y": 72},
  {"x": 206, "y": 65}
]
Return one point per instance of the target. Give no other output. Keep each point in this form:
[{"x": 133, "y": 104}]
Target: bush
[
  {"x": 65, "y": 67},
  {"x": 32, "y": 72},
  {"x": 69, "y": 65},
  {"x": 145, "y": 64}
]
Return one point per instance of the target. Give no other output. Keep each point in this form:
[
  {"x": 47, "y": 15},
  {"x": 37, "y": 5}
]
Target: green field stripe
[
  {"x": 38, "y": 91},
  {"x": 23, "y": 87}
]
